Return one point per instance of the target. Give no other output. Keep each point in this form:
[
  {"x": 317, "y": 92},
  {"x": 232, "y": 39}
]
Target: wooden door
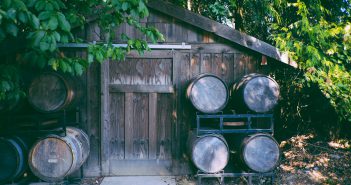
[{"x": 138, "y": 113}]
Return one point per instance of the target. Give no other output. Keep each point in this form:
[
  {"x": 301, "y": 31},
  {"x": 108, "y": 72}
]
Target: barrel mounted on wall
[
  {"x": 209, "y": 153},
  {"x": 207, "y": 93},
  {"x": 13, "y": 158},
  {"x": 55, "y": 157},
  {"x": 254, "y": 93},
  {"x": 52, "y": 92},
  {"x": 256, "y": 152}
]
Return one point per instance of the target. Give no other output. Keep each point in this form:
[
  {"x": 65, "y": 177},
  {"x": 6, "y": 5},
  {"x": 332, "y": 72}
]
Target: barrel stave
[
  {"x": 207, "y": 93},
  {"x": 55, "y": 157},
  {"x": 256, "y": 93},
  {"x": 52, "y": 92},
  {"x": 13, "y": 157},
  {"x": 209, "y": 153}
]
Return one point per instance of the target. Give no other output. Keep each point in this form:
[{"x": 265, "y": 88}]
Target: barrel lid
[
  {"x": 51, "y": 159},
  {"x": 261, "y": 153},
  {"x": 210, "y": 153},
  {"x": 261, "y": 93},
  {"x": 48, "y": 92},
  {"x": 8, "y": 160},
  {"x": 208, "y": 93}
]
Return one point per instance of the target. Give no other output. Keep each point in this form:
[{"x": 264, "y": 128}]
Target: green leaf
[
  {"x": 44, "y": 15},
  {"x": 64, "y": 38},
  {"x": 11, "y": 13},
  {"x": 64, "y": 24},
  {"x": 12, "y": 29},
  {"x": 90, "y": 58},
  {"x": 23, "y": 17},
  {"x": 78, "y": 68},
  {"x": 44, "y": 46},
  {"x": 57, "y": 36},
  {"x": 34, "y": 21},
  {"x": 38, "y": 36},
  {"x": 125, "y": 6},
  {"x": 40, "y": 5},
  {"x": 53, "y": 23}
]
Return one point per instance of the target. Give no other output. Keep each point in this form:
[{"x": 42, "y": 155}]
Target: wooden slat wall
[
  {"x": 147, "y": 124},
  {"x": 173, "y": 30}
]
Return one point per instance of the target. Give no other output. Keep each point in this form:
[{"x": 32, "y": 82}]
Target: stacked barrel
[
  {"x": 253, "y": 94},
  {"x": 50, "y": 156}
]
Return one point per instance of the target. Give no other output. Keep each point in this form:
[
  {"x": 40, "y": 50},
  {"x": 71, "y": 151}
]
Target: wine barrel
[
  {"x": 255, "y": 92},
  {"x": 207, "y": 93},
  {"x": 209, "y": 153},
  {"x": 259, "y": 152},
  {"x": 55, "y": 157},
  {"x": 13, "y": 158},
  {"x": 52, "y": 92}
]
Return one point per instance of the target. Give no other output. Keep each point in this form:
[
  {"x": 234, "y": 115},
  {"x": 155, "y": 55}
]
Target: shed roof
[{"x": 220, "y": 30}]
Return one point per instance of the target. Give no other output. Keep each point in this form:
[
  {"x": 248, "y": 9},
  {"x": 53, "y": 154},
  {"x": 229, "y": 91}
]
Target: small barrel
[
  {"x": 13, "y": 158},
  {"x": 55, "y": 157},
  {"x": 209, "y": 153},
  {"x": 208, "y": 93},
  {"x": 255, "y": 92},
  {"x": 52, "y": 92},
  {"x": 260, "y": 152}
]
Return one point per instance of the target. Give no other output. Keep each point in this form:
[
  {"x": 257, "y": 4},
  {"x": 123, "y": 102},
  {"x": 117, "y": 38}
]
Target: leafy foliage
[
  {"x": 40, "y": 25},
  {"x": 319, "y": 40}
]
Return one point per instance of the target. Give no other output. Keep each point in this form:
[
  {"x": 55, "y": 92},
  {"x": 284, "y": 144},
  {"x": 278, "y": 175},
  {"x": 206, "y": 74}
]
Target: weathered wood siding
[{"x": 135, "y": 111}]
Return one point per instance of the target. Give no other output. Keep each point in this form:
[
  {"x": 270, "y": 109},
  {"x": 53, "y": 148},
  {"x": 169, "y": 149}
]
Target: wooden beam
[
  {"x": 182, "y": 46},
  {"x": 218, "y": 29},
  {"x": 141, "y": 88}
]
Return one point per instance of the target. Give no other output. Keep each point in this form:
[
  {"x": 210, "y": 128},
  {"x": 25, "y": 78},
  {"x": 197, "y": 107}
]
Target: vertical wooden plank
[
  {"x": 92, "y": 167},
  {"x": 180, "y": 32},
  {"x": 164, "y": 127},
  {"x": 240, "y": 61},
  {"x": 183, "y": 108},
  {"x": 128, "y": 132},
  {"x": 228, "y": 68},
  {"x": 176, "y": 63},
  {"x": 217, "y": 64},
  {"x": 152, "y": 125},
  {"x": 251, "y": 65},
  {"x": 116, "y": 126},
  {"x": 206, "y": 65},
  {"x": 140, "y": 126},
  {"x": 193, "y": 35},
  {"x": 105, "y": 118},
  {"x": 194, "y": 65}
]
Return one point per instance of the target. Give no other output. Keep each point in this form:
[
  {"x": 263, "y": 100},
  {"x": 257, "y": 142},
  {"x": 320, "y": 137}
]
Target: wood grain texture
[
  {"x": 142, "y": 72},
  {"x": 116, "y": 139},
  {"x": 92, "y": 167},
  {"x": 256, "y": 93},
  {"x": 128, "y": 114},
  {"x": 209, "y": 153},
  {"x": 218, "y": 29},
  {"x": 153, "y": 125},
  {"x": 54, "y": 157},
  {"x": 140, "y": 126},
  {"x": 105, "y": 118},
  {"x": 254, "y": 149}
]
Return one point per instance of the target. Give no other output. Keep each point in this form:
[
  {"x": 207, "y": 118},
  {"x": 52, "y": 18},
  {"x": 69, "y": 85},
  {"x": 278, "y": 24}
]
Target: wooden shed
[{"x": 135, "y": 110}]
